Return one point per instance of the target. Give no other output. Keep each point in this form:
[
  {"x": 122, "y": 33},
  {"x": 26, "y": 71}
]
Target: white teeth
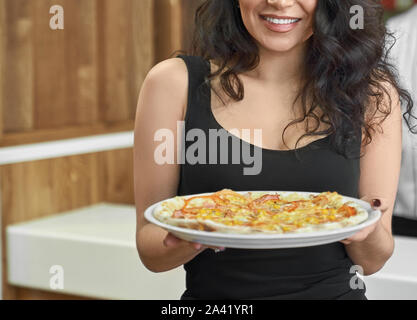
[{"x": 281, "y": 21}]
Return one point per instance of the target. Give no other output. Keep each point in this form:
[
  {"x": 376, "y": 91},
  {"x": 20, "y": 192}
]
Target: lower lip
[{"x": 279, "y": 27}]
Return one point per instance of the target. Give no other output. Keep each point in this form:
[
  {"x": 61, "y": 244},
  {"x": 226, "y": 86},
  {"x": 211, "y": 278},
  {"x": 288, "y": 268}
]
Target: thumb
[{"x": 171, "y": 240}]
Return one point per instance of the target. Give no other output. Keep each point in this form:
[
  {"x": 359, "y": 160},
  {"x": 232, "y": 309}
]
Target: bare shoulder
[
  {"x": 166, "y": 84},
  {"x": 172, "y": 71}
]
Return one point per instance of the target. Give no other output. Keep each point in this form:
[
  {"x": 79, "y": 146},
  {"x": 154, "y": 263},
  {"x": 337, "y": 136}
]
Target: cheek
[
  {"x": 308, "y": 31},
  {"x": 249, "y": 9},
  {"x": 309, "y": 6}
]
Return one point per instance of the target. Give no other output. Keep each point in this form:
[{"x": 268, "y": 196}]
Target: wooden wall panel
[
  {"x": 18, "y": 75},
  {"x": 113, "y": 47},
  {"x": 19, "y": 138},
  {"x": 2, "y": 58},
  {"x": 50, "y": 75},
  {"x": 126, "y": 46},
  {"x": 86, "y": 74},
  {"x": 81, "y": 61},
  {"x": 36, "y": 189},
  {"x": 167, "y": 22},
  {"x": 79, "y": 81},
  {"x": 42, "y": 188},
  {"x": 189, "y": 10},
  {"x": 142, "y": 49},
  {"x": 174, "y": 24},
  {"x": 65, "y": 65},
  {"x": 50, "y": 70},
  {"x": 116, "y": 179}
]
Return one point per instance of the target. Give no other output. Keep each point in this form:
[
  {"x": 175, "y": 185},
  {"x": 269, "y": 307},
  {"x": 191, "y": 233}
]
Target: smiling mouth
[{"x": 281, "y": 21}]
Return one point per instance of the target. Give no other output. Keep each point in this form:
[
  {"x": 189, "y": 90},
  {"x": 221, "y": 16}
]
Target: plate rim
[{"x": 373, "y": 216}]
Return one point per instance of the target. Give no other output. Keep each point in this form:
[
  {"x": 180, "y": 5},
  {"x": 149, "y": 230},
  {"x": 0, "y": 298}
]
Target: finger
[
  {"x": 359, "y": 236},
  {"x": 171, "y": 240},
  {"x": 198, "y": 246},
  {"x": 352, "y": 238},
  {"x": 349, "y": 240}
]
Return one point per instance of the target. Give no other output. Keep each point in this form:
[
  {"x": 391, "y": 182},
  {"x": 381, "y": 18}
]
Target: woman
[{"x": 328, "y": 105}]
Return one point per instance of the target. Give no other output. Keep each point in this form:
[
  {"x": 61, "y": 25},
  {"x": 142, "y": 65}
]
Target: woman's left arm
[{"x": 380, "y": 169}]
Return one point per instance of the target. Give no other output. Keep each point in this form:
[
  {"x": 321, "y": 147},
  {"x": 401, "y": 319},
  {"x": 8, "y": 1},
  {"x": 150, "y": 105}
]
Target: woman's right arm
[{"x": 162, "y": 102}]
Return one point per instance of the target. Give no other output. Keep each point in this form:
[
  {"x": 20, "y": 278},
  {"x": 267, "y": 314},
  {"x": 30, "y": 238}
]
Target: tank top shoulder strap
[{"x": 198, "y": 93}]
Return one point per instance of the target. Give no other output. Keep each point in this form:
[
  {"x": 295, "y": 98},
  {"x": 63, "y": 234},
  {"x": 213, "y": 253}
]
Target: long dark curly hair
[{"x": 345, "y": 69}]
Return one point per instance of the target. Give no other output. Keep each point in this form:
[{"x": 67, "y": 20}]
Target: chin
[{"x": 281, "y": 47}]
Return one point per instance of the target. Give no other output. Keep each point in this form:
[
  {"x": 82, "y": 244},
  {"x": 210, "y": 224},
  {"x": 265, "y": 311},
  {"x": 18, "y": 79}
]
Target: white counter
[{"x": 96, "y": 249}]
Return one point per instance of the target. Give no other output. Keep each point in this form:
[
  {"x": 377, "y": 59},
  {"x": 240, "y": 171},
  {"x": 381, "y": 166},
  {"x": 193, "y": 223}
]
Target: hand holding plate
[
  {"x": 376, "y": 204},
  {"x": 172, "y": 241}
]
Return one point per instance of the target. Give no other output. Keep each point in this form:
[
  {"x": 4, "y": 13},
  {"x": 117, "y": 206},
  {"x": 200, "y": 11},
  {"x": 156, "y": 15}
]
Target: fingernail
[
  {"x": 376, "y": 202},
  {"x": 198, "y": 246}
]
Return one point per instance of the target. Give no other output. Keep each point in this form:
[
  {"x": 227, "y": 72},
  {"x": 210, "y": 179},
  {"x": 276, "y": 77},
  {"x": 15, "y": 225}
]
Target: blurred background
[
  {"x": 394, "y": 7},
  {"x": 67, "y": 108}
]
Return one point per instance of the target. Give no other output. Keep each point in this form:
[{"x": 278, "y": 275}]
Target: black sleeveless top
[{"x": 318, "y": 272}]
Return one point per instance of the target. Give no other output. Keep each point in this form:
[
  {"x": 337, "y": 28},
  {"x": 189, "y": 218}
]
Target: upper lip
[{"x": 278, "y": 17}]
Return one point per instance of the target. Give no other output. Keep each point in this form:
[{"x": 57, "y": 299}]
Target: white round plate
[{"x": 266, "y": 241}]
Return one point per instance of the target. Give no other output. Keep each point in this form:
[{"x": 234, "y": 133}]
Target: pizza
[{"x": 228, "y": 211}]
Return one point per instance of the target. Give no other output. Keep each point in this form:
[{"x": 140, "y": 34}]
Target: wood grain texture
[
  {"x": 2, "y": 59},
  {"x": 66, "y": 72},
  {"x": 174, "y": 26},
  {"x": 189, "y": 10},
  {"x": 116, "y": 178},
  {"x": 79, "y": 81},
  {"x": 43, "y": 188},
  {"x": 168, "y": 24},
  {"x": 126, "y": 49},
  {"x": 88, "y": 73},
  {"x": 18, "y": 73},
  {"x": 43, "y": 135},
  {"x": 81, "y": 47},
  {"x": 113, "y": 71},
  {"x": 142, "y": 48}
]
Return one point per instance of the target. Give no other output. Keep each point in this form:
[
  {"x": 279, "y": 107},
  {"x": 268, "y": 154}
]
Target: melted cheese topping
[{"x": 263, "y": 211}]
